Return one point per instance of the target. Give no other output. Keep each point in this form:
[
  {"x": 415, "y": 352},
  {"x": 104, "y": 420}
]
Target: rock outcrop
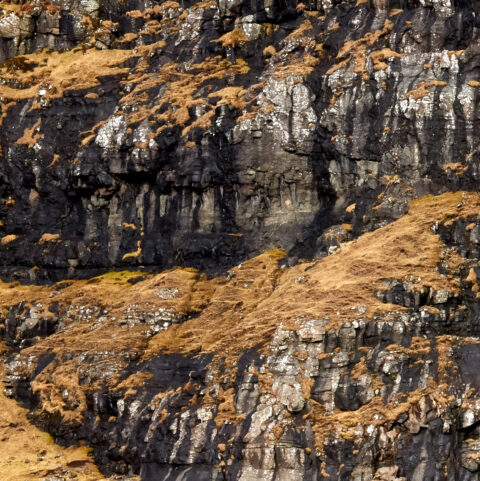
[
  {"x": 360, "y": 365},
  {"x": 201, "y": 134},
  {"x": 288, "y": 150}
]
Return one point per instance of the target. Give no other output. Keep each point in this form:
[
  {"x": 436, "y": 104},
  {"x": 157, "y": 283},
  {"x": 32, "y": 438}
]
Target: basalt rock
[
  {"x": 327, "y": 369},
  {"x": 140, "y": 135},
  {"x": 202, "y": 134}
]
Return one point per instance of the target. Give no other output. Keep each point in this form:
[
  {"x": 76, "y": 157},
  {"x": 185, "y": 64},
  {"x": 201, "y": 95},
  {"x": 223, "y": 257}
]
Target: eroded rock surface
[
  {"x": 147, "y": 135},
  {"x": 360, "y": 365},
  {"x": 202, "y": 134}
]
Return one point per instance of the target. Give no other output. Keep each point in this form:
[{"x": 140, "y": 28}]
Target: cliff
[
  {"x": 203, "y": 134},
  {"x": 240, "y": 240}
]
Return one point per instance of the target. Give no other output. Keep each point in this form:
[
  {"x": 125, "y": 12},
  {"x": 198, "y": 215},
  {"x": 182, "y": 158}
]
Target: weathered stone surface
[
  {"x": 355, "y": 105},
  {"x": 200, "y": 135}
]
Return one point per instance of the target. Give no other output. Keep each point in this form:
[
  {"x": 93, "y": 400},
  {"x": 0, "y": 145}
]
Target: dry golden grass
[
  {"x": 134, "y": 381},
  {"x": 244, "y": 310},
  {"x": 455, "y": 167},
  {"x": 269, "y": 51},
  {"x": 113, "y": 291},
  {"x": 31, "y": 136},
  {"x": 395, "y": 11},
  {"x": 8, "y": 238},
  {"x": 205, "y": 5},
  {"x": 192, "y": 292},
  {"x": 226, "y": 407},
  {"x": 350, "y": 208},
  {"x": 232, "y": 39},
  {"x": 298, "y": 67},
  {"x": 225, "y": 321},
  {"x": 423, "y": 89},
  {"x": 418, "y": 347},
  {"x": 22, "y": 443},
  {"x": 55, "y": 160},
  {"x": 299, "y": 33},
  {"x": 182, "y": 92},
  {"x": 230, "y": 96},
  {"x": 135, "y": 254},
  {"x": 49, "y": 238},
  {"x": 376, "y": 412},
  {"x": 126, "y": 225},
  {"x": 330, "y": 287},
  {"x": 170, "y": 4},
  {"x": 49, "y": 386},
  {"x": 378, "y": 58},
  {"x": 64, "y": 71},
  {"x": 356, "y": 50},
  {"x": 57, "y": 73}
]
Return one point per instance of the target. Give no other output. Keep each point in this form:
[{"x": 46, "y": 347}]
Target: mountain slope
[{"x": 360, "y": 365}]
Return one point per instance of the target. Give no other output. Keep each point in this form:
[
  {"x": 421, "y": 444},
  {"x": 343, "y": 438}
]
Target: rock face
[
  {"x": 148, "y": 135},
  {"x": 360, "y": 365},
  {"x": 202, "y": 134}
]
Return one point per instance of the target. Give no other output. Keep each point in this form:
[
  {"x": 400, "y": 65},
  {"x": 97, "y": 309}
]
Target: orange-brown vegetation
[
  {"x": 356, "y": 50},
  {"x": 132, "y": 382},
  {"x": 57, "y": 73},
  {"x": 375, "y": 413},
  {"x": 359, "y": 369},
  {"x": 129, "y": 37},
  {"x": 350, "y": 208},
  {"x": 456, "y": 168},
  {"x": 379, "y": 58},
  {"x": 226, "y": 407},
  {"x": 49, "y": 387},
  {"x": 28, "y": 453},
  {"x": 269, "y": 51},
  {"x": 134, "y": 254},
  {"x": 8, "y": 238},
  {"x": 116, "y": 294},
  {"x": 55, "y": 160},
  {"x": 298, "y": 66},
  {"x": 63, "y": 71},
  {"x": 31, "y": 136},
  {"x": 49, "y": 238},
  {"x": 259, "y": 289},
  {"x": 205, "y": 5},
  {"x": 423, "y": 89},
  {"x": 182, "y": 92},
  {"x": 395, "y": 11},
  {"x": 474, "y": 83},
  {"x": 126, "y": 225},
  {"x": 390, "y": 180},
  {"x": 245, "y": 309},
  {"x": 230, "y": 96},
  {"x": 299, "y": 33},
  {"x": 298, "y": 62},
  {"x": 418, "y": 347},
  {"x": 170, "y": 4},
  {"x": 331, "y": 287},
  {"x": 232, "y": 39}
]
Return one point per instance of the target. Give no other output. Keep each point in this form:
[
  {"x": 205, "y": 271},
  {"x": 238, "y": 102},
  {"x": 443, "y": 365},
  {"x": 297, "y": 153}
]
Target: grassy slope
[
  {"x": 234, "y": 313},
  {"x": 21, "y": 443}
]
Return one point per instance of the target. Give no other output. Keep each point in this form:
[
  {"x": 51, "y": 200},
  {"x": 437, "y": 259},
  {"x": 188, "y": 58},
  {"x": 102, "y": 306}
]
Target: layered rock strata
[
  {"x": 201, "y": 134},
  {"x": 142, "y": 136},
  {"x": 360, "y": 365}
]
